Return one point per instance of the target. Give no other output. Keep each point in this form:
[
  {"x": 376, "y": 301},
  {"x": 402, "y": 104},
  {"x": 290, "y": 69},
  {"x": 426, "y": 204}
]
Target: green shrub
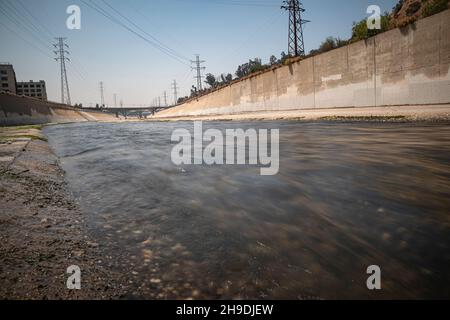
[
  {"x": 434, "y": 7},
  {"x": 360, "y": 30}
]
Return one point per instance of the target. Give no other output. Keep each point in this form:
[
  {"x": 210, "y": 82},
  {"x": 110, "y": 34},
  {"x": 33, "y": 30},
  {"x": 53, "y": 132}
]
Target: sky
[{"x": 225, "y": 33}]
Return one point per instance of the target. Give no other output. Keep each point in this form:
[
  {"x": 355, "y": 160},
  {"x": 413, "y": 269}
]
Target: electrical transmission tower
[
  {"x": 296, "y": 41},
  {"x": 175, "y": 92},
  {"x": 102, "y": 94},
  {"x": 61, "y": 57},
  {"x": 198, "y": 67},
  {"x": 165, "y": 99}
]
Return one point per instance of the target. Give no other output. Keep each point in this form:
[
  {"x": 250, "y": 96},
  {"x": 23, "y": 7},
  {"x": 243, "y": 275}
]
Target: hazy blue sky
[{"x": 224, "y": 32}]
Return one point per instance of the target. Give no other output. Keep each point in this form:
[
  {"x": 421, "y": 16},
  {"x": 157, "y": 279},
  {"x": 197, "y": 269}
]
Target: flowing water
[{"x": 348, "y": 195}]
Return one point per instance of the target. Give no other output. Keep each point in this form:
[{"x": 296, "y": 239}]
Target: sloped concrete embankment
[
  {"x": 42, "y": 230},
  {"x": 401, "y": 67},
  {"x": 16, "y": 110}
]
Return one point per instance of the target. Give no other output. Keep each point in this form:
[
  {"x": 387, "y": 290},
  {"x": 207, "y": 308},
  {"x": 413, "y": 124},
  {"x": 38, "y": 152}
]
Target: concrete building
[
  {"x": 32, "y": 89},
  {"x": 7, "y": 78}
]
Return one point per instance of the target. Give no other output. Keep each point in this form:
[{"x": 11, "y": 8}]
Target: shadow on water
[{"x": 347, "y": 196}]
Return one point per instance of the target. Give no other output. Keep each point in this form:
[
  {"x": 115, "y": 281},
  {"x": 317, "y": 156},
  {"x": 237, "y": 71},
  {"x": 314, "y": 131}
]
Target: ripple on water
[{"x": 347, "y": 196}]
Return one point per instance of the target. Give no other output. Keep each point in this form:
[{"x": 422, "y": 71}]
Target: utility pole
[
  {"x": 175, "y": 92},
  {"x": 61, "y": 57},
  {"x": 198, "y": 67},
  {"x": 295, "y": 40},
  {"x": 159, "y": 102},
  {"x": 102, "y": 96},
  {"x": 115, "y": 100}
]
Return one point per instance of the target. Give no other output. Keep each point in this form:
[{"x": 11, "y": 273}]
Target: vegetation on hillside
[{"x": 434, "y": 7}]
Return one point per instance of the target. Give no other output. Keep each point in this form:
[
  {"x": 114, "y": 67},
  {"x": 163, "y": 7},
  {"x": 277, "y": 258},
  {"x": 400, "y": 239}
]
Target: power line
[
  {"x": 239, "y": 3},
  {"x": 231, "y": 53},
  {"x": 103, "y": 12},
  {"x": 26, "y": 23},
  {"x": 165, "y": 47},
  {"x": 36, "y": 19},
  {"x": 38, "y": 42},
  {"x": 148, "y": 20},
  {"x": 27, "y": 41},
  {"x": 38, "y": 31},
  {"x": 16, "y": 19}
]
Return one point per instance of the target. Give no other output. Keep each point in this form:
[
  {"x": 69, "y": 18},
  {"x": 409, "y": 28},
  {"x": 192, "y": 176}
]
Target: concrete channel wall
[
  {"x": 18, "y": 110},
  {"x": 408, "y": 66}
]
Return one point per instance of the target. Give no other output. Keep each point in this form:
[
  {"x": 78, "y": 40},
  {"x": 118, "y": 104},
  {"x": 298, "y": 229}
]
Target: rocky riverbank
[{"x": 42, "y": 231}]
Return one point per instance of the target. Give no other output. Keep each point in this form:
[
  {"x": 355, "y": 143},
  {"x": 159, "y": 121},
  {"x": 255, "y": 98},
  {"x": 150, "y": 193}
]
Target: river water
[{"x": 347, "y": 196}]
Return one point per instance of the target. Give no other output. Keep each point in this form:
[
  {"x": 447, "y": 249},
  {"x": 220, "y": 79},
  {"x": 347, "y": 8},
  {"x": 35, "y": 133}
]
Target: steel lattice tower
[
  {"x": 102, "y": 94},
  {"x": 198, "y": 67},
  {"x": 165, "y": 98},
  {"x": 296, "y": 41},
  {"x": 175, "y": 92},
  {"x": 61, "y": 57}
]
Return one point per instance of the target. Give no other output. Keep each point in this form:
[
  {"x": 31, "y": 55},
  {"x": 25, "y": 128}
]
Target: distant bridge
[{"x": 132, "y": 111}]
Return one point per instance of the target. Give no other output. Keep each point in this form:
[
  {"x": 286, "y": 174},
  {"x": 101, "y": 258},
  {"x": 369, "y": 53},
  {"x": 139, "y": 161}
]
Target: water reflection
[{"x": 347, "y": 196}]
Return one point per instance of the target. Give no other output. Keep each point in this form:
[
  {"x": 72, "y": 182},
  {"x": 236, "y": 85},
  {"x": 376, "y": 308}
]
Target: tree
[
  {"x": 225, "y": 78},
  {"x": 193, "y": 91},
  {"x": 273, "y": 60},
  {"x": 360, "y": 30},
  {"x": 328, "y": 44},
  {"x": 243, "y": 70},
  {"x": 250, "y": 67},
  {"x": 256, "y": 65},
  {"x": 211, "y": 80},
  {"x": 284, "y": 57},
  {"x": 182, "y": 99}
]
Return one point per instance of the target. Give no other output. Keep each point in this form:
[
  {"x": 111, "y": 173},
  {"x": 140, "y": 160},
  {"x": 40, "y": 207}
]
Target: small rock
[
  {"x": 155, "y": 281},
  {"x": 92, "y": 244}
]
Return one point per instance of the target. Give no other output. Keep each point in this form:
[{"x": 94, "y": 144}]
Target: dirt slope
[{"x": 408, "y": 11}]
